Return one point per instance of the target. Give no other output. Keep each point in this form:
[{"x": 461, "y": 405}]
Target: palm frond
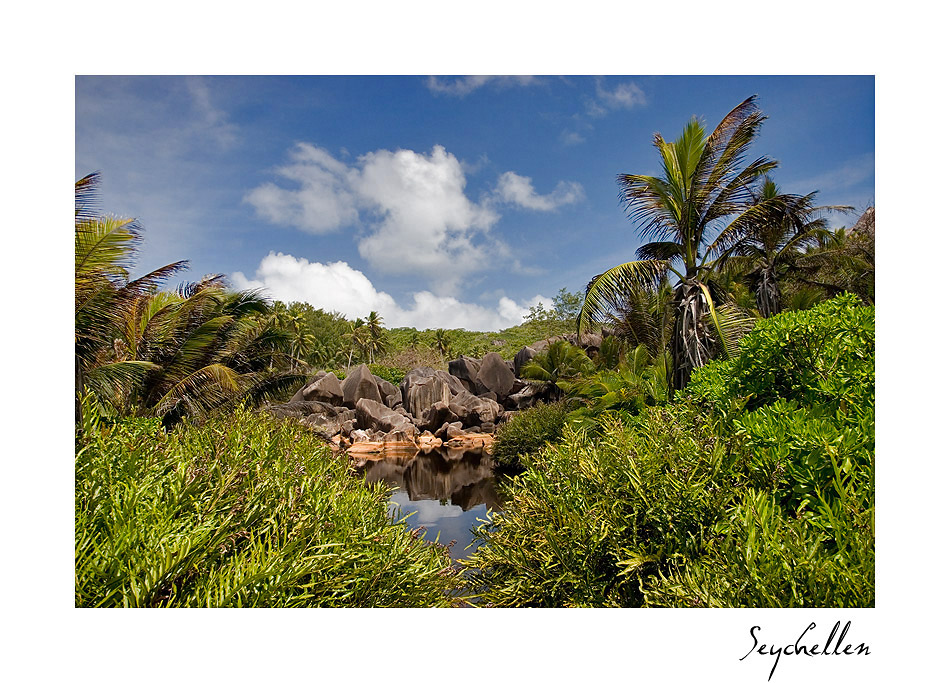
[{"x": 606, "y": 289}]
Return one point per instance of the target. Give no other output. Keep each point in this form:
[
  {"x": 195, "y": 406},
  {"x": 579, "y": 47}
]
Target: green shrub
[
  {"x": 590, "y": 515},
  {"x": 392, "y": 375},
  {"x": 822, "y": 356},
  {"x": 242, "y": 511},
  {"x": 526, "y": 432},
  {"x": 754, "y": 487}
]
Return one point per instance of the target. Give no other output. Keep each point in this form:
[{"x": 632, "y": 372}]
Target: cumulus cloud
[
  {"x": 428, "y": 225},
  {"x": 519, "y": 190},
  {"x": 460, "y": 87},
  {"x": 339, "y": 287},
  {"x": 411, "y": 210}
]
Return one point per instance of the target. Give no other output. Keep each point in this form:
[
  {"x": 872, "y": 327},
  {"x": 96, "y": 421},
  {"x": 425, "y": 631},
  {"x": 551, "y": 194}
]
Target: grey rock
[
  {"x": 422, "y": 387},
  {"x": 472, "y": 410},
  {"x": 466, "y": 370},
  {"x": 323, "y": 387},
  {"x": 494, "y": 375},
  {"x": 390, "y": 393},
  {"x": 301, "y": 409},
  {"x": 326, "y": 425},
  {"x": 374, "y": 415},
  {"x": 360, "y": 383},
  {"x": 299, "y": 395},
  {"x": 523, "y": 356}
]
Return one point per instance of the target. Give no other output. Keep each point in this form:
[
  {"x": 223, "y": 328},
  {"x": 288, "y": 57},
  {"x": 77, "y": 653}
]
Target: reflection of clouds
[
  {"x": 446, "y": 522},
  {"x": 427, "y": 511}
]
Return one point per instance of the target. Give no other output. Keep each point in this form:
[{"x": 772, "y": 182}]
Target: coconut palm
[
  {"x": 767, "y": 252},
  {"x": 706, "y": 188},
  {"x": 442, "y": 343},
  {"x": 105, "y": 298},
  {"x": 374, "y": 329},
  {"x": 842, "y": 262},
  {"x": 140, "y": 350},
  {"x": 556, "y": 365},
  {"x": 356, "y": 336}
]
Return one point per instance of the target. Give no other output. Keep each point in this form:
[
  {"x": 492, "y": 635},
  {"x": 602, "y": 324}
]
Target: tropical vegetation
[
  {"x": 755, "y": 486},
  {"x": 714, "y": 446}
]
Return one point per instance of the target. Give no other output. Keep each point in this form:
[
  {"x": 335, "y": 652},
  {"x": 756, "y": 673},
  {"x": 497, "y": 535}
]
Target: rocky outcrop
[
  {"x": 462, "y": 406},
  {"x": 324, "y": 386},
  {"x": 391, "y": 394},
  {"x": 466, "y": 370},
  {"x": 423, "y": 387},
  {"x": 494, "y": 375},
  {"x": 360, "y": 383},
  {"x": 373, "y": 415}
]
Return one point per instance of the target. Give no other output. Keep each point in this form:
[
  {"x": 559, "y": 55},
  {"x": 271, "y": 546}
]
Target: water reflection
[{"x": 448, "y": 489}]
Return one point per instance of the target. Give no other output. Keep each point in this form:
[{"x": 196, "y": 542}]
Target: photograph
[{"x": 470, "y": 341}]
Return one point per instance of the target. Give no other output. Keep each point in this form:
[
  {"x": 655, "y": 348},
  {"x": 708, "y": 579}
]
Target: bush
[
  {"x": 392, "y": 375},
  {"x": 527, "y": 432},
  {"x": 589, "y": 516},
  {"x": 242, "y": 511},
  {"x": 754, "y": 487}
]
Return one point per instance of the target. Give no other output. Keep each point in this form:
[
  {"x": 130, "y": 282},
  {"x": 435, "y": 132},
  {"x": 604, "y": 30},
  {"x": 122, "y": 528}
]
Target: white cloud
[
  {"x": 465, "y": 85},
  {"x": 338, "y": 287},
  {"x": 323, "y": 201},
  {"x": 519, "y": 190},
  {"x": 411, "y": 209},
  {"x": 570, "y": 137},
  {"x": 625, "y": 95},
  {"x": 428, "y": 226}
]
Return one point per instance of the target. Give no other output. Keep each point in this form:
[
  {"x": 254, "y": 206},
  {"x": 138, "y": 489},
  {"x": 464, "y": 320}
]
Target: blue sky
[{"x": 437, "y": 201}]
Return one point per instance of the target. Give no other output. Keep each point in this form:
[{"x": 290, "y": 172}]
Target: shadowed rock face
[
  {"x": 360, "y": 383},
  {"x": 494, "y": 375},
  {"x": 466, "y": 369},
  {"x": 373, "y": 415},
  {"x": 324, "y": 386},
  {"x": 391, "y": 394}
]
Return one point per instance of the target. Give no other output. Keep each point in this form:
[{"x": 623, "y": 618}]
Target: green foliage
[
  {"x": 636, "y": 382},
  {"x": 822, "y": 356},
  {"x": 754, "y": 487},
  {"x": 242, "y": 511},
  {"x": 588, "y": 517},
  {"x": 392, "y": 375},
  {"x": 557, "y": 364},
  {"x": 527, "y": 431}
]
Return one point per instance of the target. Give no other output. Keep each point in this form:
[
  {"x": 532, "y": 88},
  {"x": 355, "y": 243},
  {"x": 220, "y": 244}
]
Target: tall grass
[{"x": 244, "y": 511}]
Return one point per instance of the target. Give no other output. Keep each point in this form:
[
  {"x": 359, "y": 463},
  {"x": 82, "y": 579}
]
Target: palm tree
[
  {"x": 140, "y": 350},
  {"x": 559, "y": 363},
  {"x": 442, "y": 343},
  {"x": 706, "y": 189},
  {"x": 105, "y": 298},
  {"x": 842, "y": 262},
  {"x": 356, "y": 336},
  {"x": 375, "y": 331},
  {"x": 773, "y": 248}
]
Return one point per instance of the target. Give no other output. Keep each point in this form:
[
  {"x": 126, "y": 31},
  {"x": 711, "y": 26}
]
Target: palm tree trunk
[
  {"x": 692, "y": 345},
  {"x": 767, "y": 294}
]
